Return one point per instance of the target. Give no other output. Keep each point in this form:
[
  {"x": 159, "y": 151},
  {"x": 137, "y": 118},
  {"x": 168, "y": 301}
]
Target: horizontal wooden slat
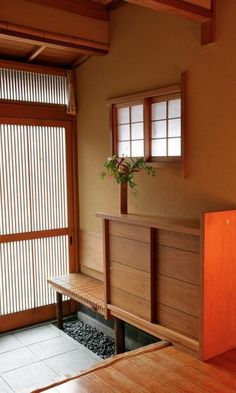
[
  {"x": 156, "y": 329},
  {"x": 128, "y": 231},
  {"x": 178, "y": 240},
  {"x": 32, "y": 316},
  {"x": 130, "y": 280},
  {"x": 136, "y": 304},
  {"x": 15, "y": 65},
  {"x": 178, "y": 295},
  {"x": 177, "y": 320},
  {"x": 146, "y": 94},
  {"x": 171, "y": 224},
  {"x": 33, "y": 235},
  {"x": 130, "y": 252},
  {"x": 179, "y": 264}
]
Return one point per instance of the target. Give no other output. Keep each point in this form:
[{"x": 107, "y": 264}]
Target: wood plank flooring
[{"x": 156, "y": 369}]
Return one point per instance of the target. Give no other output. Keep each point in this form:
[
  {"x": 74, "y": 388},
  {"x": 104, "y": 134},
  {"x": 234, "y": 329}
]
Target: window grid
[
  {"x": 167, "y": 136},
  {"x": 171, "y": 132},
  {"x": 130, "y": 138}
]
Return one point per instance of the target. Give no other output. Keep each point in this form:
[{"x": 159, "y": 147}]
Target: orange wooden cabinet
[{"x": 175, "y": 279}]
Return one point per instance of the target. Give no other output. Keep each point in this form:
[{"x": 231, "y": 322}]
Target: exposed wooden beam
[
  {"x": 36, "y": 52},
  {"x": 51, "y": 40},
  {"x": 208, "y": 29},
  {"x": 80, "y": 61},
  {"x": 178, "y": 7},
  {"x": 42, "y": 69},
  {"x": 90, "y": 9},
  {"x": 113, "y": 4}
]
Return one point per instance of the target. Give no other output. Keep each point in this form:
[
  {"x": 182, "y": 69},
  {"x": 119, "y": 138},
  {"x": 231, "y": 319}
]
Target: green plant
[{"x": 123, "y": 170}]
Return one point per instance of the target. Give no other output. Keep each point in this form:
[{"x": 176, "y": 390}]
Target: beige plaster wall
[{"x": 149, "y": 50}]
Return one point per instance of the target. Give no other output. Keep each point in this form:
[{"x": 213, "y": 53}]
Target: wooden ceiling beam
[
  {"x": 51, "y": 40},
  {"x": 90, "y": 9},
  {"x": 188, "y": 10},
  {"x": 36, "y": 52},
  {"x": 177, "y": 7},
  {"x": 114, "y": 4}
]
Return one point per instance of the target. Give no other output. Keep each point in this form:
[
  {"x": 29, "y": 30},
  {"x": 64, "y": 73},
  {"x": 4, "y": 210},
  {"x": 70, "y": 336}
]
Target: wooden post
[
  {"x": 59, "y": 311},
  {"x": 123, "y": 198},
  {"x": 119, "y": 327}
]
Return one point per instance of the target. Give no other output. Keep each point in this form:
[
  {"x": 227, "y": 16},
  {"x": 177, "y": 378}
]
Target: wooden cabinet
[{"x": 157, "y": 279}]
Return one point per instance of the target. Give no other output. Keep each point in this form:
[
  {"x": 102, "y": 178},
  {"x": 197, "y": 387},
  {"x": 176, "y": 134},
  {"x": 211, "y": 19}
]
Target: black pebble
[{"x": 90, "y": 337}]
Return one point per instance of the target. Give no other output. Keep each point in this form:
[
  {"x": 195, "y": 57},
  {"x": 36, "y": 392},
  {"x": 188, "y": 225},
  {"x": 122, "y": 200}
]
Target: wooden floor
[{"x": 156, "y": 369}]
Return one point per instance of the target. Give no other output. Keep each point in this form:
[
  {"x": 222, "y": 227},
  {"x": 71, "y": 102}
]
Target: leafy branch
[{"x": 123, "y": 170}]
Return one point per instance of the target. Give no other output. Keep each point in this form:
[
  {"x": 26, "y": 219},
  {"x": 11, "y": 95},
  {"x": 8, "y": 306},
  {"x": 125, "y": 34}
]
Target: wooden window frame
[{"x": 147, "y": 98}]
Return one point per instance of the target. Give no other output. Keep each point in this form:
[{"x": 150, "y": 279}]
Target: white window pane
[
  {"x": 159, "y": 129},
  {"x": 123, "y": 132},
  {"x": 174, "y": 127},
  {"x": 159, "y": 147},
  {"x": 124, "y": 149},
  {"x": 137, "y": 131},
  {"x": 174, "y": 147},
  {"x": 159, "y": 110},
  {"x": 136, "y": 113},
  {"x": 137, "y": 149},
  {"x": 123, "y": 115},
  {"x": 174, "y": 108}
]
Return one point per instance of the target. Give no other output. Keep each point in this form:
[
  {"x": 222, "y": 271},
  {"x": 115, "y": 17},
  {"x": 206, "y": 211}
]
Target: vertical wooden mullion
[
  {"x": 184, "y": 145},
  {"x": 153, "y": 270},
  {"x": 114, "y": 128},
  {"x": 147, "y": 129},
  {"x": 69, "y": 166},
  {"x": 75, "y": 194},
  {"x": 167, "y": 128},
  {"x": 130, "y": 136},
  {"x": 106, "y": 266}
]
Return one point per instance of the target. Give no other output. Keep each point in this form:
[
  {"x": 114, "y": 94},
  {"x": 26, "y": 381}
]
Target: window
[
  {"x": 37, "y": 85},
  {"x": 150, "y": 124},
  {"x": 130, "y": 125},
  {"x": 166, "y": 128}
]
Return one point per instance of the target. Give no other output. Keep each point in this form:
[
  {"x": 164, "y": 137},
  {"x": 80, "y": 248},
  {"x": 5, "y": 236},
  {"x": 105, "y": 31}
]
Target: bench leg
[
  {"x": 59, "y": 311},
  {"x": 119, "y": 335}
]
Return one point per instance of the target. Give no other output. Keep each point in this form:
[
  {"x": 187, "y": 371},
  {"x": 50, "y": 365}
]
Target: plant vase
[{"x": 123, "y": 198}]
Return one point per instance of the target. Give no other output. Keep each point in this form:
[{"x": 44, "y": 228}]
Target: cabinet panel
[
  {"x": 130, "y": 280},
  {"x": 130, "y": 303},
  {"x": 179, "y": 264},
  {"x": 183, "y": 241},
  {"x": 178, "y": 295},
  {"x": 129, "y": 231},
  {"x": 130, "y": 252},
  {"x": 177, "y": 320}
]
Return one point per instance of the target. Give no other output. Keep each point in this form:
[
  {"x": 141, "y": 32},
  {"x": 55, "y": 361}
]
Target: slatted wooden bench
[{"x": 88, "y": 291}]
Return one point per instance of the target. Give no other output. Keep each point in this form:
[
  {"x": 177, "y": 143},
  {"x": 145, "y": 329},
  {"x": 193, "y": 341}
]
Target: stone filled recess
[{"x": 90, "y": 337}]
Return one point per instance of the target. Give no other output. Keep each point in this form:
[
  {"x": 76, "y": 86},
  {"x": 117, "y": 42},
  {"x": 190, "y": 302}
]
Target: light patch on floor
[{"x": 39, "y": 356}]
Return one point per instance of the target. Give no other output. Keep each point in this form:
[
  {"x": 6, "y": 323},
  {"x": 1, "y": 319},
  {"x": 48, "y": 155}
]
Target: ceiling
[{"x": 25, "y": 44}]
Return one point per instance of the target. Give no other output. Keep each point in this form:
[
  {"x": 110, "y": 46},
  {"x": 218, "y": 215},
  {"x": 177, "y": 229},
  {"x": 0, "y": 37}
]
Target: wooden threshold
[{"x": 32, "y": 316}]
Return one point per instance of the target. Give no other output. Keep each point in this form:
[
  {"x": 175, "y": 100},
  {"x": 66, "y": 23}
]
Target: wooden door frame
[{"x": 43, "y": 114}]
